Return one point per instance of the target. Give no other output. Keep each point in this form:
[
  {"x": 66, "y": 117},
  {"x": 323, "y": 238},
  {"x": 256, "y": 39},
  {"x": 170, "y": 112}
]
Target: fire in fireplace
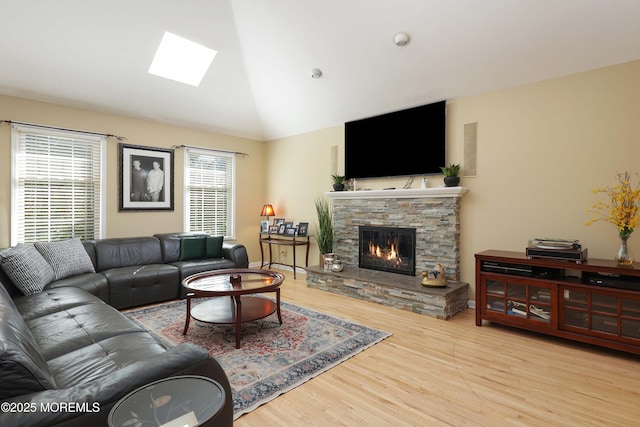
[{"x": 389, "y": 249}]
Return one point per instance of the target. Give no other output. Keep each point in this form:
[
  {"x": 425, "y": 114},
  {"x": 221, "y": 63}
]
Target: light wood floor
[{"x": 434, "y": 372}]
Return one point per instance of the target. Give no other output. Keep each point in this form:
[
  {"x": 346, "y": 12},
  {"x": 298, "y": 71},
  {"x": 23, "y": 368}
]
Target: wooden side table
[{"x": 278, "y": 240}]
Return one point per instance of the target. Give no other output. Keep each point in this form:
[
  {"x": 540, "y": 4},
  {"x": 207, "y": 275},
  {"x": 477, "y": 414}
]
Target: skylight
[{"x": 181, "y": 60}]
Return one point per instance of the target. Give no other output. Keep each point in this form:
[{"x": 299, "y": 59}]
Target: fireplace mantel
[{"x": 399, "y": 194}]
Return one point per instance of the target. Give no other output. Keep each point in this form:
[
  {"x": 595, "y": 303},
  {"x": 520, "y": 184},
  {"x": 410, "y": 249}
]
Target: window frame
[
  {"x": 78, "y": 137},
  {"x": 231, "y": 214}
]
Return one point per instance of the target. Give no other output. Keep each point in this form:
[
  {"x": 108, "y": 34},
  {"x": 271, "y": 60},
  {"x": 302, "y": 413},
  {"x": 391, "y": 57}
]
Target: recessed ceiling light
[
  {"x": 401, "y": 39},
  {"x": 181, "y": 60}
]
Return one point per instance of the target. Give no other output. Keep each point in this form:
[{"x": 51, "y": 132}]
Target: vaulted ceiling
[{"x": 95, "y": 55}]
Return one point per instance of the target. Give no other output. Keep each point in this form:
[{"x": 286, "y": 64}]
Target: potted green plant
[
  {"x": 338, "y": 182},
  {"x": 324, "y": 228},
  {"x": 451, "y": 178}
]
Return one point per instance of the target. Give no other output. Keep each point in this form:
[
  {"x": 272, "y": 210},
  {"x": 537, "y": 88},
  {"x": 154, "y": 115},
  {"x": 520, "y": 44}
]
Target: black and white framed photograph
[
  {"x": 264, "y": 226},
  {"x": 273, "y": 229},
  {"x": 278, "y": 221},
  {"x": 282, "y": 228},
  {"x": 303, "y": 229},
  {"x": 146, "y": 178}
]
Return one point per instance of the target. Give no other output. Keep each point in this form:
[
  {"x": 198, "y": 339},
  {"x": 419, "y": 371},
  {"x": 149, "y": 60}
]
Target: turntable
[{"x": 557, "y": 249}]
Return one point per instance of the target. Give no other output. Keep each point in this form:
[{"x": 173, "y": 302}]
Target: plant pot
[
  {"x": 338, "y": 187},
  {"x": 451, "y": 181}
]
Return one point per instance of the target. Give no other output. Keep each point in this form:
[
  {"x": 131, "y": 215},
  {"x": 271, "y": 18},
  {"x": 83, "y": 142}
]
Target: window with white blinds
[
  {"x": 57, "y": 185},
  {"x": 210, "y": 192}
]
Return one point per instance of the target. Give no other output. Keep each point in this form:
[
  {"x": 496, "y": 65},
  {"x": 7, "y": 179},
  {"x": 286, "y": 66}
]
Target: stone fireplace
[
  {"x": 433, "y": 217},
  {"x": 434, "y": 213}
]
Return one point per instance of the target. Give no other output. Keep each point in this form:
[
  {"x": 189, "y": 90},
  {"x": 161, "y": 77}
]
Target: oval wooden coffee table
[{"x": 238, "y": 285}]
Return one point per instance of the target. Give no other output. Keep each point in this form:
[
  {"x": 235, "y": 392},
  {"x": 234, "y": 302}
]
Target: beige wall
[
  {"x": 299, "y": 171},
  {"x": 542, "y": 148},
  {"x": 249, "y": 180}
]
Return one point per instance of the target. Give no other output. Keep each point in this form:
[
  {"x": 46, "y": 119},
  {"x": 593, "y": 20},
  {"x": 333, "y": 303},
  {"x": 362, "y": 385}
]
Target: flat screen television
[{"x": 401, "y": 143}]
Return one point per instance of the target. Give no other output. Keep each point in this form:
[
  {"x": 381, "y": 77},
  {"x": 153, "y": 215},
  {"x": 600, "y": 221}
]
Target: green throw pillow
[
  {"x": 193, "y": 248},
  {"x": 214, "y": 246}
]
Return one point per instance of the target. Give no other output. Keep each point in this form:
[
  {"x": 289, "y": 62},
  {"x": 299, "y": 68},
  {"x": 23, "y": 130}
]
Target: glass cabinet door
[
  {"x": 608, "y": 314},
  {"x": 630, "y": 318},
  {"x": 575, "y": 311},
  {"x": 495, "y": 296},
  {"x": 531, "y": 301},
  {"x": 604, "y": 313}
]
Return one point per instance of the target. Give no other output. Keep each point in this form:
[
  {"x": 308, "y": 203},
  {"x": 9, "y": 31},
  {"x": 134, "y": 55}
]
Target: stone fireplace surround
[{"x": 434, "y": 213}]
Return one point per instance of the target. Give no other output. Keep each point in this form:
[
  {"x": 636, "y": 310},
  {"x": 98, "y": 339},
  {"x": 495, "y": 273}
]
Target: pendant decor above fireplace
[{"x": 389, "y": 249}]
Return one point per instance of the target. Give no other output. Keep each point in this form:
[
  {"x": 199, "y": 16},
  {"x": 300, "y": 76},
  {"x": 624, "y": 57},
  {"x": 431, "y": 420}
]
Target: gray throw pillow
[
  {"x": 27, "y": 269},
  {"x": 67, "y": 258}
]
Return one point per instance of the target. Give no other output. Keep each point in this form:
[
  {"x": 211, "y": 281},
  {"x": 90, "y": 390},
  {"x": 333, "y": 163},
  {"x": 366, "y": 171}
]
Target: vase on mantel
[{"x": 624, "y": 256}]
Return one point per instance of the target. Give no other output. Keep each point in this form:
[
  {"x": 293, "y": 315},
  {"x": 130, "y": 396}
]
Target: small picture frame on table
[
  {"x": 264, "y": 226},
  {"x": 281, "y": 229},
  {"x": 290, "y": 231},
  {"x": 273, "y": 229},
  {"x": 303, "y": 229},
  {"x": 278, "y": 221}
]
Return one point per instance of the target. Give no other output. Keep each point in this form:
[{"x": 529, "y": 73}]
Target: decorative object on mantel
[
  {"x": 622, "y": 210},
  {"x": 436, "y": 277},
  {"x": 337, "y": 265},
  {"x": 328, "y": 261},
  {"x": 338, "y": 182},
  {"x": 451, "y": 178},
  {"x": 324, "y": 228}
]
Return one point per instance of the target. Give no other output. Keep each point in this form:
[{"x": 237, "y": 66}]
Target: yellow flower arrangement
[{"x": 622, "y": 208}]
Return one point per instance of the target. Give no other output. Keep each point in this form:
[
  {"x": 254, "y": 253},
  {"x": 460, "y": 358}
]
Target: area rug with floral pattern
[{"x": 273, "y": 358}]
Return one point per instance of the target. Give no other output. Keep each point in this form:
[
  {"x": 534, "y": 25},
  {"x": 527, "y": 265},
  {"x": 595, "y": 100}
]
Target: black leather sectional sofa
[{"x": 69, "y": 343}]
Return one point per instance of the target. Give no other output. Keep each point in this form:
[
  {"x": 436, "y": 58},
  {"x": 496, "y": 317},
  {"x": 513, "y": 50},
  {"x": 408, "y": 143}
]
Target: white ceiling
[{"x": 95, "y": 55}]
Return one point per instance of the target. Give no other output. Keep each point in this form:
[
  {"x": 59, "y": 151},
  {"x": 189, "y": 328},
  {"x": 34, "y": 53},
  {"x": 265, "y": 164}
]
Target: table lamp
[{"x": 267, "y": 210}]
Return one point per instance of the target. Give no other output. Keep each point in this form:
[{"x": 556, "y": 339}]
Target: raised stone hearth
[{"x": 391, "y": 289}]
